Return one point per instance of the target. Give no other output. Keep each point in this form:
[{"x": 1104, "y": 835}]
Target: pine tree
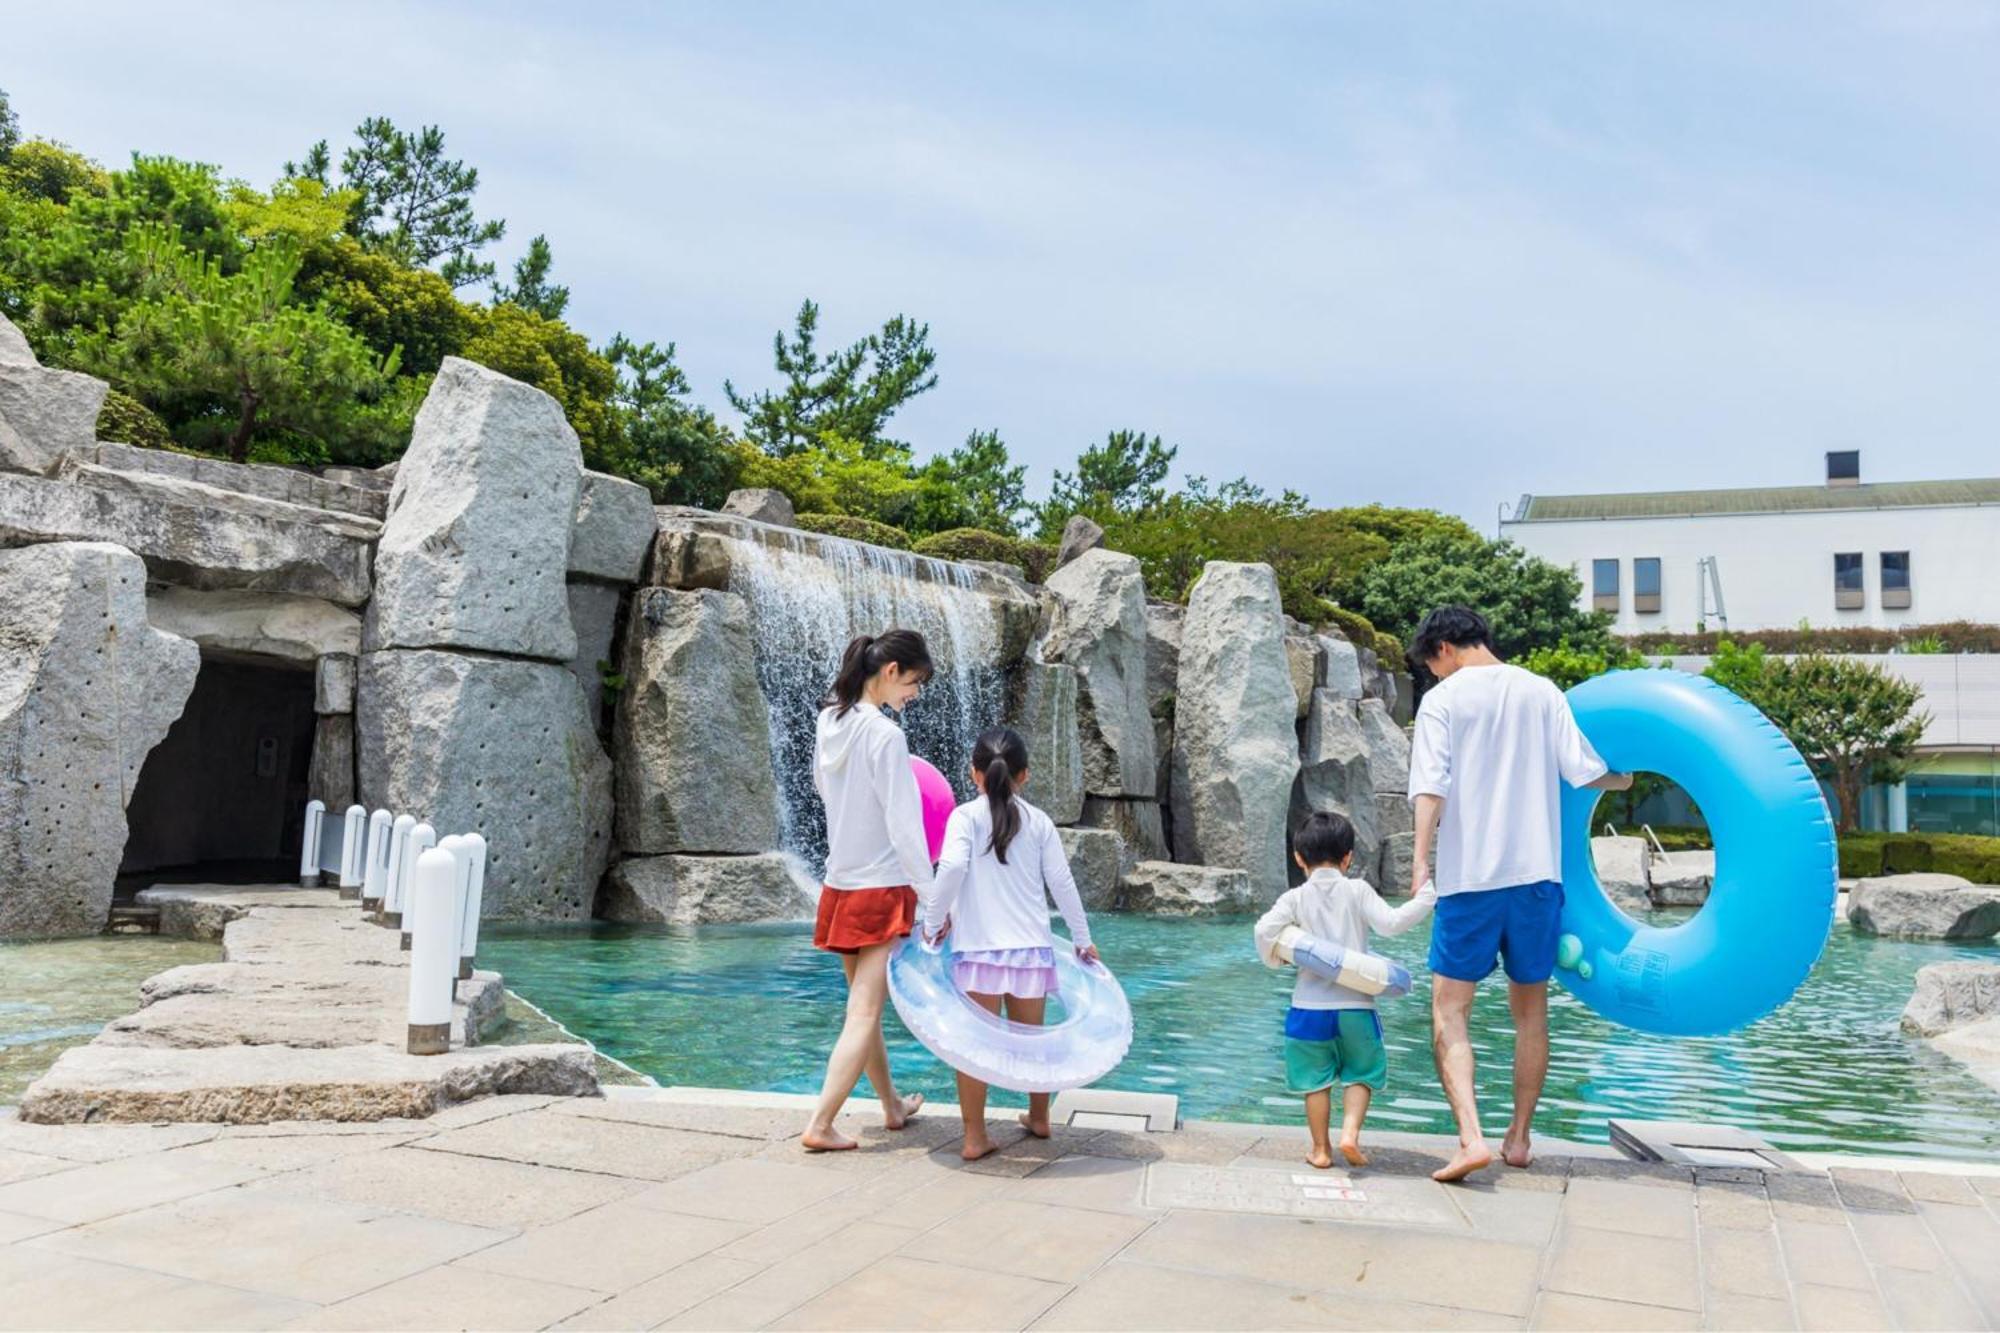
[
  {"x": 410, "y": 199},
  {"x": 849, "y": 394},
  {"x": 10, "y": 127},
  {"x": 532, "y": 289}
]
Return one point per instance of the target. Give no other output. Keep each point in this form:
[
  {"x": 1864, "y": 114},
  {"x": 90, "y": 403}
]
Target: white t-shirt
[
  {"x": 874, "y": 817},
  {"x": 1331, "y": 907},
  {"x": 1497, "y": 742},
  {"x": 996, "y": 906}
]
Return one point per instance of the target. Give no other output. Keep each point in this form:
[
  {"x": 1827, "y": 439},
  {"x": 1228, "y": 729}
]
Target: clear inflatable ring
[{"x": 1089, "y": 1041}]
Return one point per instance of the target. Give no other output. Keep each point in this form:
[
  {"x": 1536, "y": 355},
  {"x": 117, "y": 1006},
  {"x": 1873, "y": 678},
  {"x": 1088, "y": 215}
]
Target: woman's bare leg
[
  {"x": 972, "y": 1096},
  {"x": 1036, "y": 1117},
  {"x": 856, "y": 1051}
]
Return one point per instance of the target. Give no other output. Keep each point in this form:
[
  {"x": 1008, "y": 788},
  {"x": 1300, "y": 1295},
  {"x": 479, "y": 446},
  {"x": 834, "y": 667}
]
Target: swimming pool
[{"x": 757, "y": 1007}]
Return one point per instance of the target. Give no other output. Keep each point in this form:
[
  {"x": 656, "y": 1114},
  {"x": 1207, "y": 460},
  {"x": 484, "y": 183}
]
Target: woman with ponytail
[
  {"x": 1002, "y": 863},
  {"x": 877, "y": 861}
]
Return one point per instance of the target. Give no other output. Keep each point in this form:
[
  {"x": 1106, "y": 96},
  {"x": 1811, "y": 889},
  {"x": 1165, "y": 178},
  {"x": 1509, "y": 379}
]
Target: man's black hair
[
  {"x": 1324, "y": 839},
  {"x": 1460, "y": 626}
]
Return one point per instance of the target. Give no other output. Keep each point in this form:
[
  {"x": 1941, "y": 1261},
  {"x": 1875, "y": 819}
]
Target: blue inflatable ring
[
  {"x": 1770, "y": 907},
  {"x": 1084, "y": 1046}
]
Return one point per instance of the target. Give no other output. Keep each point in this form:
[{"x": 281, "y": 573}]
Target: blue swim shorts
[{"x": 1517, "y": 925}]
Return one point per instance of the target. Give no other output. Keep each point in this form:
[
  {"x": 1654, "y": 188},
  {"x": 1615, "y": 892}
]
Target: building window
[
  {"x": 1895, "y": 580},
  {"x": 1604, "y": 586},
  {"x": 1849, "y": 594},
  {"x": 1646, "y": 584}
]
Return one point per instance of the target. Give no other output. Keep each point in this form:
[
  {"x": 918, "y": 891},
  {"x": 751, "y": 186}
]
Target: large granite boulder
[
  {"x": 500, "y": 745},
  {"x": 1079, "y": 534},
  {"x": 266, "y": 624},
  {"x": 1097, "y": 861},
  {"x": 1343, "y": 666},
  {"x": 1388, "y": 748},
  {"x": 692, "y": 735},
  {"x": 681, "y": 890},
  {"x": 1624, "y": 872},
  {"x": 1682, "y": 879},
  {"x": 87, "y": 689},
  {"x": 1924, "y": 907},
  {"x": 194, "y": 534},
  {"x": 44, "y": 414},
  {"x": 614, "y": 529},
  {"x": 1236, "y": 751},
  {"x": 1303, "y": 657},
  {"x": 1334, "y": 772},
  {"x": 1097, "y": 624},
  {"x": 1166, "y": 888},
  {"x": 474, "y": 550},
  {"x": 1398, "y": 863},
  {"x": 1138, "y": 823},
  {"x": 1042, "y": 707},
  {"x": 1950, "y": 995},
  {"x": 761, "y": 504},
  {"x": 333, "y": 682},
  {"x": 330, "y": 776},
  {"x": 270, "y": 481}
]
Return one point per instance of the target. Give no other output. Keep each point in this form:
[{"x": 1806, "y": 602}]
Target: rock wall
[{"x": 1096, "y": 623}]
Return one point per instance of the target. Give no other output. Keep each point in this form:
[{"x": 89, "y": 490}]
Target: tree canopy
[
  {"x": 408, "y": 198},
  {"x": 848, "y": 394}
]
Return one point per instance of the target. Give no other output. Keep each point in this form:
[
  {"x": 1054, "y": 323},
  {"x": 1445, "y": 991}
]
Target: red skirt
[{"x": 850, "y": 920}]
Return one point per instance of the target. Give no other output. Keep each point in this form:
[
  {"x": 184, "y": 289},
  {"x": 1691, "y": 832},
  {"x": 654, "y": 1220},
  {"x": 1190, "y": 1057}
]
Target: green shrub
[
  {"x": 1034, "y": 558},
  {"x": 1389, "y": 650},
  {"x": 125, "y": 420},
  {"x": 1967, "y": 855},
  {"x": 855, "y": 529},
  {"x": 1956, "y": 636},
  {"x": 1908, "y": 856},
  {"x": 1356, "y": 628}
]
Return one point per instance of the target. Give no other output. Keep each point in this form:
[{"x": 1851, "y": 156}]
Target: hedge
[
  {"x": 854, "y": 529},
  {"x": 1035, "y": 559},
  {"x": 1956, "y": 636},
  {"x": 1966, "y": 855}
]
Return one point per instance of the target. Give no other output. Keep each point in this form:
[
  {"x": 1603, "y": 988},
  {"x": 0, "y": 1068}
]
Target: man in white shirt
[{"x": 1493, "y": 745}]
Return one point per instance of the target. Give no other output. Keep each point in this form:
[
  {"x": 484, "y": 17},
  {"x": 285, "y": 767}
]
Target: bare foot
[
  {"x": 910, "y": 1105},
  {"x": 1351, "y": 1150},
  {"x": 1470, "y": 1157},
  {"x": 1319, "y": 1157},
  {"x": 976, "y": 1147},
  {"x": 1515, "y": 1152},
  {"x": 829, "y": 1140},
  {"x": 1039, "y": 1128}
]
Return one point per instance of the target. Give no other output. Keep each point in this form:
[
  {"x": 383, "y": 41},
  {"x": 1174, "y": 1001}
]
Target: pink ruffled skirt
[{"x": 1028, "y": 974}]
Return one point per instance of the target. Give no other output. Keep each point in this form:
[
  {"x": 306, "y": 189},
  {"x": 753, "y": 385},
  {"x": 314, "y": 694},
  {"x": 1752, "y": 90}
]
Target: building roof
[{"x": 1758, "y": 500}]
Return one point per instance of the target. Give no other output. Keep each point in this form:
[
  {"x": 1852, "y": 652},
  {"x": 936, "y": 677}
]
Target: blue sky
[{"x": 1435, "y": 255}]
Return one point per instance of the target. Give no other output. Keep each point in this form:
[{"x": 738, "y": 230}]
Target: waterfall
[{"x": 807, "y": 601}]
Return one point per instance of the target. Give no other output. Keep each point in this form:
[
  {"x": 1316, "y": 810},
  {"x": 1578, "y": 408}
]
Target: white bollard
[
  {"x": 475, "y": 890},
  {"x": 391, "y": 913},
  {"x": 353, "y": 850},
  {"x": 375, "y": 862},
  {"x": 433, "y": 953},
  {"x": 309, "y": 853},
  {"x": 423, "y": 838}
]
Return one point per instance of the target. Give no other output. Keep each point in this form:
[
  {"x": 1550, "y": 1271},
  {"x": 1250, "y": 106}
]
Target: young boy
[{"x": 1332, "y": 1034}]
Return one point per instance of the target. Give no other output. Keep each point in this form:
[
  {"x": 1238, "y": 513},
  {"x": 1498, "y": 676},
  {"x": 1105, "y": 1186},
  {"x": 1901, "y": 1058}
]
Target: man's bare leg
[
  {"x": 1530, "y": 1005},
  {"x": 1451, "y": 1045}
]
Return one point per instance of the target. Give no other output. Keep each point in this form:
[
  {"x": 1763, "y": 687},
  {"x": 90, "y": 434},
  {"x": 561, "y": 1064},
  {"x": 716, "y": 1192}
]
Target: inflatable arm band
[{"x": 1369, "y": 973}]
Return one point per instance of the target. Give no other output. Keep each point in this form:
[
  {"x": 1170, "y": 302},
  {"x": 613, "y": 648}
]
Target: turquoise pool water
[{"x": 757, "y": 1007}]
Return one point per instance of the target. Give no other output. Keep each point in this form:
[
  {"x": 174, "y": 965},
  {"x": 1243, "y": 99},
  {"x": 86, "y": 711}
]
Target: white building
[{"x": 1844, "y": 553}]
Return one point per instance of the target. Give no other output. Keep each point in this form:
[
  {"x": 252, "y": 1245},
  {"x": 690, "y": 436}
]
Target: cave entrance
[{"x": 222, "y": 799}]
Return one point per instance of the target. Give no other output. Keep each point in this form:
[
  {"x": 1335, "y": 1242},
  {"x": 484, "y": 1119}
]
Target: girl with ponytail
[
  {"x": 1002, "y": 862},
  {"x": 877, "y": 861}
]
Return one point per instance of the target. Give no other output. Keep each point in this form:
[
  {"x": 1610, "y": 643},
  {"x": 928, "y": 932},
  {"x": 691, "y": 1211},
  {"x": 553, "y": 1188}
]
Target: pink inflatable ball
[{"x": 938, "y": 801}]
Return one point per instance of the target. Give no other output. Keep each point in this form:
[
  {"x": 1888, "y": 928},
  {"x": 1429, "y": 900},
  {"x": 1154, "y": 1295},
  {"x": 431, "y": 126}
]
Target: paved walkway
[{"x": 665, "y": 1211}]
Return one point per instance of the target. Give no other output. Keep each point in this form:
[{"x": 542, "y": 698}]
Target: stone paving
[{"x": 679, "y": 1209}]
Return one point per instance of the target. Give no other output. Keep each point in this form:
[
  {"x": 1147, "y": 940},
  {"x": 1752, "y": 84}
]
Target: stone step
[
  {"x": 133, "y": 920},
  {"x": 244, "y": 1085}
]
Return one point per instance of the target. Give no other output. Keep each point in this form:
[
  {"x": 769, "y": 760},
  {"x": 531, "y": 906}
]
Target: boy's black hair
[
  {"x": 1460, "y": 626},
  {"x": 1323, "y": 839}
]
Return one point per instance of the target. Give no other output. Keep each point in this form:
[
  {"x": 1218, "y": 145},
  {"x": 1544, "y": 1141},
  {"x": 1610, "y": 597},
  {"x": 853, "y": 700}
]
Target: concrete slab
[
  {"x": 659, "y": 1299},
  {"x": 47, "y": 1290},
  {"x": 272, "y": 1243},
  {"x": 1029, "y": 1239},
  {"x": 105, "y": 1189},
  {"x": 476, "y": 1191},
  {"x": 772, "y": 1292},
  {"x": 902, "y": 1293},
  {"x": 548, "y": 1138},
  {"x": 756, "y": 1192},
  {"x": 1124, "y": 1294},
  {"x": 1611, "y": 1205},
  {"x": 1611, "y": 1266},
  {"x": 1557, "y": 1310},
  {"x": 607, "y": 1249},
  {"x": 453, "y": 1297}
]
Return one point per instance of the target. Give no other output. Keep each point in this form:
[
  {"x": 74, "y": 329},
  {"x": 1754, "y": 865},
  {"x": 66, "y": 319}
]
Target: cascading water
[{"x": 808, "y": 602}]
